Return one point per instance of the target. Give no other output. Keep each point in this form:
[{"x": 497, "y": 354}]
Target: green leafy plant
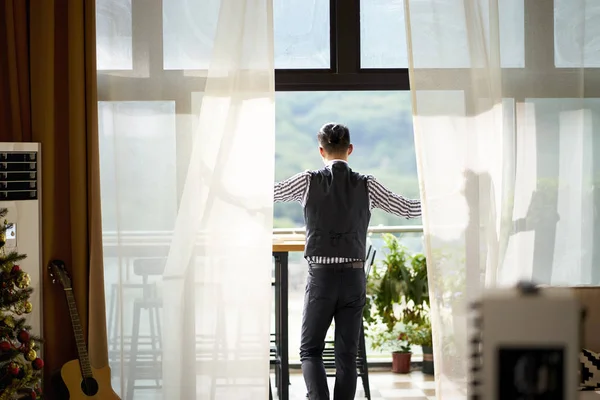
[
  {"x": 400, "y": 293},
  {"x": 420, "y": 335},
  {"x": 395, "y": 341}
]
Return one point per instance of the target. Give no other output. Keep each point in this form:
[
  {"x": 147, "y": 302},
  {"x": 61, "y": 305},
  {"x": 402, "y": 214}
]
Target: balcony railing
[
  {"x": 161, "y": 237},
  {"x": 132, "y": 244},
  {"x": 372, "y": 229}
]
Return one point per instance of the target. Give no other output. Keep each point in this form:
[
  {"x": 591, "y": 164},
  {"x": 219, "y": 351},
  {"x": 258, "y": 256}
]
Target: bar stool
[
  {"x": 146, "y": 363},
  {"x": 143, "y": 268}
]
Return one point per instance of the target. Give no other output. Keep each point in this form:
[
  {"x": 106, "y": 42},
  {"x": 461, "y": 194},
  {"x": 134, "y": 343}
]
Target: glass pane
[
  {"x": 382, "y": 34},
  {"x": 301, "y": 33},
  {"x": 189, "y": 28},
  {"x": 384, "y": 43},
  {"x": 113, "y": 35},
  {"x": 576, "y": 33},
  {"x": 556, "y": 193},
  {"x": 386, "y": 153},
  {"x": 133, "y": 136}
]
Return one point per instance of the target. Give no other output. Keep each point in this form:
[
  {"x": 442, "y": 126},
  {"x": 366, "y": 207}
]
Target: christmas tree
[{"x": 20, "y": 367}]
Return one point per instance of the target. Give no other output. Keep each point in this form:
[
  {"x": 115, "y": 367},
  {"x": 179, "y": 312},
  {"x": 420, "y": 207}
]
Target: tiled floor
[{"x": 384, "y": 386}]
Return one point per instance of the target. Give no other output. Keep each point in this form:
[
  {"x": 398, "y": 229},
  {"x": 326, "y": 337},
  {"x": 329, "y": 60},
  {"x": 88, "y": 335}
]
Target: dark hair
[{"x": 334, "y": 138}]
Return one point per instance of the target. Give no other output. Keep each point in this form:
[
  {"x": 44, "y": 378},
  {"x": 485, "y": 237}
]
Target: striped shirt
[{"x": 296, "y": 189}]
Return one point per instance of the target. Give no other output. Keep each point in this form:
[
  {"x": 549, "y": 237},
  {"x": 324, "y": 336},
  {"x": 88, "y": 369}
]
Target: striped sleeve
[
  {"x": 390, "y": 202},
  {"x": 292, "y": 189}
]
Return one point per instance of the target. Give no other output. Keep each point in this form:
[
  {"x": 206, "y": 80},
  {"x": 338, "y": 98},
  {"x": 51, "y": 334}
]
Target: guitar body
[
  {"x": 99, "y": 387},
  {"x": 77, "y": 379}
]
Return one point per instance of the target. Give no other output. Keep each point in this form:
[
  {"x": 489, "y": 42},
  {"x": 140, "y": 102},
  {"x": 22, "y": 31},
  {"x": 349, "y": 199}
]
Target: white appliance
[
  {"x": 20, "y": 184},
  {"x": 524, "y": 344}
]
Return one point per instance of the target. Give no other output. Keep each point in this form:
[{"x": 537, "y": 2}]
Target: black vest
[{"x": 337, "y": 213}]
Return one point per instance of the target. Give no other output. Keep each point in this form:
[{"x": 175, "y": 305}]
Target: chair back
[{"x": 370, "y": 259}]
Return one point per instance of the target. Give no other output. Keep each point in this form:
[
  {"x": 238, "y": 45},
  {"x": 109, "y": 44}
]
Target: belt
[{"x": 355, "y": 264}]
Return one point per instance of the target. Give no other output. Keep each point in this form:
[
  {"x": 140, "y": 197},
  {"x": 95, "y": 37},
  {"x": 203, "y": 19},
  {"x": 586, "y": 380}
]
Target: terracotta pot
[
  {"x": 427, "y": 360},
  {"x": 401, "y": 363}
]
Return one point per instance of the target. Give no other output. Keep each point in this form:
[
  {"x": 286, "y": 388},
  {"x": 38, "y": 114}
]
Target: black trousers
[{"x": 332, "y": 293}]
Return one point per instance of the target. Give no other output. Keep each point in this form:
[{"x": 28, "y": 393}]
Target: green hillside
[{"x": 380, "y": 127}]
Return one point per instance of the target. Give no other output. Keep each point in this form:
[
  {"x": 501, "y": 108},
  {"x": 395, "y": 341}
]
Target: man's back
[{"x": 337, "y": 213}]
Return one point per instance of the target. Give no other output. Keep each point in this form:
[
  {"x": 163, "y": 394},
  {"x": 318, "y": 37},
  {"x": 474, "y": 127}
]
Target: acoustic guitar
[{"x": 81, "y": 380}]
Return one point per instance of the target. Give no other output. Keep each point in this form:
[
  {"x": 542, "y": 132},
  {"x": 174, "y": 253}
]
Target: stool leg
[
  {"x": 153, "y": 339},
  {"x": 133, "y": 351},
  {"x": 158, "y": 327},
  {"x": 159, "y": 332},
  {"x": 112, "y": 317}
]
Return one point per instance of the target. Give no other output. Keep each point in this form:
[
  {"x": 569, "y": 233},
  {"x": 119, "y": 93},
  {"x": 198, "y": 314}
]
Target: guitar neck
[{"x": 84, "y": 361}]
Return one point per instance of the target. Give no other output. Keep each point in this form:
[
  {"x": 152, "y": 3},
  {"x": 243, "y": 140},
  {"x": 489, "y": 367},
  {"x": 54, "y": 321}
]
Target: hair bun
[{"x": 337, "y": 133}]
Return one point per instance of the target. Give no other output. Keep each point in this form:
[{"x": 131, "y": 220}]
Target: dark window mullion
[
  {"x": 315, "y": 80},
  {"x": 539, "y": 35},
  {"x": 347, "y": 35},
  {"x": 147, "y": 40},
  {"x": 333, "y": 48}
]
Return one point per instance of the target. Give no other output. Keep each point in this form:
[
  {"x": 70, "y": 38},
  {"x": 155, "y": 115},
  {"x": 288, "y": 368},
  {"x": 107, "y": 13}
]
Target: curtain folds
[
  {"x": 506, "y": 127},
  {"x": 187, "y": 179},
  {"x": 15, "y": 118},
  {"x": 48, "y": 89}
]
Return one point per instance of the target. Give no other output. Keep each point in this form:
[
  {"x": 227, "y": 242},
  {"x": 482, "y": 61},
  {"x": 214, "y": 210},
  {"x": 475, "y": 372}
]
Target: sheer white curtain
[
  {"x": 508, "y": 139},
  {"x": 186, "y": 91}
]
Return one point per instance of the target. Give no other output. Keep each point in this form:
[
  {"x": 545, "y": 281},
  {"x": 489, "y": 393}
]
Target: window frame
[{"x": 345, "y": 72}]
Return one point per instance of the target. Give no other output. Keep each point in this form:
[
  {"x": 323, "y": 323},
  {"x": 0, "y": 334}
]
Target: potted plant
[
  {"x": 397, "y": 342},
  {"x": 398, "y": 297},
  {"x": 421, "y": 336},
  {"x": 402, "y": 287}
]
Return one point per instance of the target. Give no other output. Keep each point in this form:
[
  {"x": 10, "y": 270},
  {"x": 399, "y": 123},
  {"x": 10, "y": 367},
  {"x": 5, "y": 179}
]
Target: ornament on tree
[
  {"x": 15, "y": 269},
  {"x": 28, "y": 308},
  {"x": 5, "y": 346},
  {"x": 13, "y": 369},
  {"x": 37, "y": 364},
  {"x": 9, "y": 321},
  {"x": 31, "y": 355},
  {"x": 23, "y": 280},
  {"x": 23, "y": 336}
]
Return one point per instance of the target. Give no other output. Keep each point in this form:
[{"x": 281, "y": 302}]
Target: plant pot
[
  {"x": 401, "y": 363},
  {"x": 427, "y": 360}
]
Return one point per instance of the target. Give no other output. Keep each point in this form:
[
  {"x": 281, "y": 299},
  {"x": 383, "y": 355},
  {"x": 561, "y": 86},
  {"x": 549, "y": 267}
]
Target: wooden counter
[{"x": 288, "y": 243}]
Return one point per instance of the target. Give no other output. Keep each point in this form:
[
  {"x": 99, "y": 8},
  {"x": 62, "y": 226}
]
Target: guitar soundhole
[{"x": 89, "y": 386}]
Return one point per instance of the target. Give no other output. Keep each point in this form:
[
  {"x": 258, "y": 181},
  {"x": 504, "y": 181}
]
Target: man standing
[{"x": 337, "y": 206}]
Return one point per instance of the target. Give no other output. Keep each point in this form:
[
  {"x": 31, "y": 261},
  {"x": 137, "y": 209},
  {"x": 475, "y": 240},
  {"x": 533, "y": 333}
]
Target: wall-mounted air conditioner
[{"x": 20, "y": 185}]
